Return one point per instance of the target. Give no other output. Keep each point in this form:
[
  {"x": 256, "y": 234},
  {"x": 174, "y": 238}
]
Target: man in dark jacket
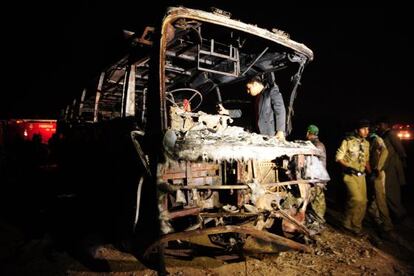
[
  {"x": 270, "y": 108},
  {"x": 394, "y": 170}
]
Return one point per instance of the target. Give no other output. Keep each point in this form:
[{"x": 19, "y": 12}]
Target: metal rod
[{"x": 254, "y": 62}]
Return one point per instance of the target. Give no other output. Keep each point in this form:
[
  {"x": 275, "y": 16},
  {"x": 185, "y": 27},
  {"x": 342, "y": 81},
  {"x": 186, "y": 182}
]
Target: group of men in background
[
  {"x": 372, "y": 159},
  {"x": 374, "y": 154}
]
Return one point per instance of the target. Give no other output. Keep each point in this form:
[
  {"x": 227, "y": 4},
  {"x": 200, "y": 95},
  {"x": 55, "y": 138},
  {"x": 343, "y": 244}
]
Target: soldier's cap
[
  {"x": 312, "y": 129},
  {"x": 362, "y": 123}
]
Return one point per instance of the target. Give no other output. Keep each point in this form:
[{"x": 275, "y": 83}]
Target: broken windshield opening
[{"x": 208, "y": 64}]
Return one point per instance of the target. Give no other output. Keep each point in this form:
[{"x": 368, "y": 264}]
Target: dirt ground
[{"x": 334, "y": 253}]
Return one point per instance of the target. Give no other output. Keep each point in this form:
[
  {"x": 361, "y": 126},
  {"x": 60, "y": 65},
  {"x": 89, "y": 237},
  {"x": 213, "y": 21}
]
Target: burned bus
[{"x": 213, "y": 176}]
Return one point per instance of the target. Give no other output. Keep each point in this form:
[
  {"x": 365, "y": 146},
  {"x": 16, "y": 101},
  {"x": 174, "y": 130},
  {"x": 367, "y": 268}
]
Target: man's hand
[
  {"x": 222, "y": 110},
  {"x": 280, "y": 135}
]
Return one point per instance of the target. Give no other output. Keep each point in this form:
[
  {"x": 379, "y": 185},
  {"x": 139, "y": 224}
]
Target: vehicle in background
[
  {"x": 27, "y": 128},
  {"x": 404, "y": 131},
  {"x": 212, "y": 175}
]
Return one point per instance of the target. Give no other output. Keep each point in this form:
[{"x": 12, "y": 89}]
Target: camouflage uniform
[
  {"x": 318, "y": 202},
  {"x": 354, "y": 151},
  {"x": 378, "y": 208}
]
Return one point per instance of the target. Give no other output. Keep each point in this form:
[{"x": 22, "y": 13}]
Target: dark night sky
[{"x": 361, "y": 67}]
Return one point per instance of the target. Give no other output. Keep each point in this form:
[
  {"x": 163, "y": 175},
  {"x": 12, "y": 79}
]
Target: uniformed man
[
  {"x": 378, "y": 208},
  {"x": 353, "y": 155},
  {"x": 318, "y": 202}
]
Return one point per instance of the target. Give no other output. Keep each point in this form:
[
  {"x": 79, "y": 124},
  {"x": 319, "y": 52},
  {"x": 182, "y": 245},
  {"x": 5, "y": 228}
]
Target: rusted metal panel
[
  {"x": 277, "y": 36},
  {"x": 263, "y": 235},
  {"x": 184, "y": 213}
]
